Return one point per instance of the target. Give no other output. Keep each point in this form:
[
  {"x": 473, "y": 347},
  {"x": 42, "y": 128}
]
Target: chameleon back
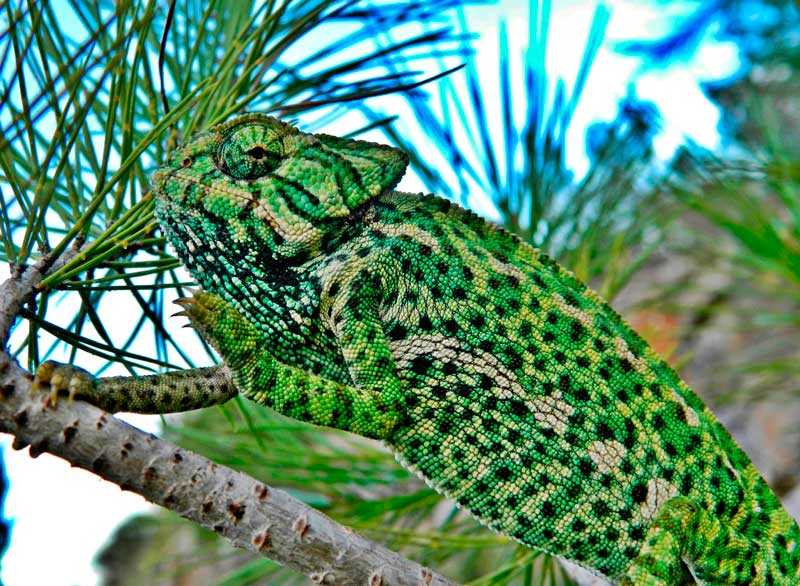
[{"x": 537, "y": 408}]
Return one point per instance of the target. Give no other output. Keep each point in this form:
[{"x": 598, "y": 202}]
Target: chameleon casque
[{"x": 488, "y": 369}]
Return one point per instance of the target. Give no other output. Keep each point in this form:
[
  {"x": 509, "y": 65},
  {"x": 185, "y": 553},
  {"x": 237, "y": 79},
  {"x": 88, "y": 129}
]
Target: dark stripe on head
[
  {"x": 291, "y": 192},
  {"x": 354, "y": 174}
]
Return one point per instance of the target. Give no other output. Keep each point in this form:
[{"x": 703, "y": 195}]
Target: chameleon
[{"x": 489, "y": 370}]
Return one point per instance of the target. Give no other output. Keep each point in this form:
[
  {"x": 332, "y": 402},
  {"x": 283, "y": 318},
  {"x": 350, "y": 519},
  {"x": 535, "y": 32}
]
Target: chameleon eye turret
[{"x": 251, "y": 151}]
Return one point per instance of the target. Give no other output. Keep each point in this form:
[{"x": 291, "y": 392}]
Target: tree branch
[{"x": 248, "y": 513}]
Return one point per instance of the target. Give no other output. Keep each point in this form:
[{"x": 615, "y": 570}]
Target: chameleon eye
[{"x": 250, "y": 151}]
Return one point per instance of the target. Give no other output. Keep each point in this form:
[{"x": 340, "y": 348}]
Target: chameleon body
[{"x": 488, "y": 369}]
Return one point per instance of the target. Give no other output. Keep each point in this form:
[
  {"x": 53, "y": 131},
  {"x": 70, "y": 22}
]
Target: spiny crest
[{"x": 258, "y": 175}]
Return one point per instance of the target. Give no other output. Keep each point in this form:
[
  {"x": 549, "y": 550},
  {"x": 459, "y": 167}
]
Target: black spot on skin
[
  {"x": 636, "y": 533},
  {"x": 514, "y": 359},
  {"x": 686, "y": 484},
  {"x": 421, "y": 364},
  {"x": 548, "y": 510},
  {"x": 600, "y": 508},
  {"x": 503, "y": 472},
  {"x": 459, "y": 293},
  {"x": 639, "y": 493},
  {"x": 425, "y": 323},
  {"x": 577, "y": 331},
  {"x": 478, "y": 321},
  {"x": 581, "y": 394},
  {"x": 586, "y": 466},
  {"x": 518, "y": 407}
]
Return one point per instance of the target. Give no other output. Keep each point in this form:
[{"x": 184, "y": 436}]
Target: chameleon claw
[
  {"x": 56, "y": 378},
  {"x": 57, "y": 383},
  {"x": 43, "y": 375}
]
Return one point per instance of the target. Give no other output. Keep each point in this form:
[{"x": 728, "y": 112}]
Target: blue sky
[{"x": 75, "y": 511}]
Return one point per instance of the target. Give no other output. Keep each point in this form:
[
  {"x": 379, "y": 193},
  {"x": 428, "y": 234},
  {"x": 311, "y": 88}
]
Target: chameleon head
[{"x": 261, "y": 187}]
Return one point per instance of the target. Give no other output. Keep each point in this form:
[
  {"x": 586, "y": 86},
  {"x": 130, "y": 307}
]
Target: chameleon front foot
[
  {"x": 56, "y": 378},
  {"x": 220, "y": 324}
]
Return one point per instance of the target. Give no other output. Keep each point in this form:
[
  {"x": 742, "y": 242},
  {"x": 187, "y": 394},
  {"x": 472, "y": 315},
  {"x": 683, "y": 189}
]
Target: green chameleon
[{"x": 487, "y": 368}]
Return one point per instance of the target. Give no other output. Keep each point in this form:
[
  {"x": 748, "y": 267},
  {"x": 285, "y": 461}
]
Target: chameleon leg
[
  {"x": 289, "y": 390},
  {"x": 685, "y": 533},
  {"x": 365, "y": 348},
  {"x": 170, "y": 392}
]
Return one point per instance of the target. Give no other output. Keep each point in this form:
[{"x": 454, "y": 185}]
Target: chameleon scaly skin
[{"x": 488, "y": 369}]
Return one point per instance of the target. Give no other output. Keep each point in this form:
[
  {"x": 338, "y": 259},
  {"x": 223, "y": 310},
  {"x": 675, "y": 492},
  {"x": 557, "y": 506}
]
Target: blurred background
[{"x": 651, "y": 146}]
